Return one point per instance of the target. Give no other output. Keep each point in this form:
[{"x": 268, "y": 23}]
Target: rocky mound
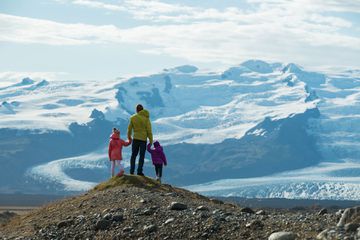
[
  {"x": 133, "y": 207},
  {"x": 348, "y": 226},
  {"x": 6, "y": 216}
]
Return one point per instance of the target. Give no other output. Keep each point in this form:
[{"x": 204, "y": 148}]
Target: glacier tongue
[{"x": 308, "y": 183}]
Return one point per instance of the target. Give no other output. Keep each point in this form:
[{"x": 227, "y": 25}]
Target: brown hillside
[{"x": 133, "y": 207}]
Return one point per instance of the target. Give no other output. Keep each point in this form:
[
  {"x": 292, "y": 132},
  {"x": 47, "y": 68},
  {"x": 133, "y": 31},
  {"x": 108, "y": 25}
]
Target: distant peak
[
  {"x": 27, "y": 81},
  {"x": 293, "y": 68},
  {"x": 258, "y": 66},
  {"x": 43, "y": 83},
  {"x": 183, "y": 69}
]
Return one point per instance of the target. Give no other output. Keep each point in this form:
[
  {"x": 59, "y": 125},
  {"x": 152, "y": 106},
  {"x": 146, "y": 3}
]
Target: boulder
[
  {"x": 350, "y": 215},
  {"x": 177, "y": 206},
  {"x": 282, "y": 236},
  {"x": 247, "y": 210},
  {"x": 322, "y": 211},
  {"x": 102, "y": 224}
]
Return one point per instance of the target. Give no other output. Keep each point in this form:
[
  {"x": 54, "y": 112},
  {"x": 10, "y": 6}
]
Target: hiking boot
[
  {"x": 120, "y": 174},
  {"x": 141, "y": 174}
]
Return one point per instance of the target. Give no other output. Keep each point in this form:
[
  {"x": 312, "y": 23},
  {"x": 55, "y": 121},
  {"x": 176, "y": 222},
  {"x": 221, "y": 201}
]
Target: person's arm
[
  {"x": 127, "y": 143},
  {"x": 130, "y": 129},
  {"x": 110, "y": 149},
  {"x": 149, "y": 131},
  {"x": 149, "y": 148},
  {"x": 164, "y": 158}
]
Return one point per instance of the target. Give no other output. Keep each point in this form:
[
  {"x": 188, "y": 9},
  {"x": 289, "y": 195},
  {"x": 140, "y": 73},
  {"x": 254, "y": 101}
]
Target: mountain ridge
[{"x": 187, "y": 106}]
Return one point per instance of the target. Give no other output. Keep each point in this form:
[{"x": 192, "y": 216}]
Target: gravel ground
[{"x": 134, "y": 207}]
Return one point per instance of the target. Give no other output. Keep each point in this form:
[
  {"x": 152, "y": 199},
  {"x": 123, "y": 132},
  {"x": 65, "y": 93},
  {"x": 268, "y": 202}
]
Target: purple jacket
[{"x": 157, "y": 154}]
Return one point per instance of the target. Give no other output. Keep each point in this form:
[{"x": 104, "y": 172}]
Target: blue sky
[{"x": 103, "y": 39}]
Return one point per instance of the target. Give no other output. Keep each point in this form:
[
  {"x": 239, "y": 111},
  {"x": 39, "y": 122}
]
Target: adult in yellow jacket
[{"x": 140, "y": 128}]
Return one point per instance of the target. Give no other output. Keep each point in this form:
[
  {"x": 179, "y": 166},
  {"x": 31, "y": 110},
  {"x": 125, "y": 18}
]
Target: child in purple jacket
[{"x": 158, "y": 158}]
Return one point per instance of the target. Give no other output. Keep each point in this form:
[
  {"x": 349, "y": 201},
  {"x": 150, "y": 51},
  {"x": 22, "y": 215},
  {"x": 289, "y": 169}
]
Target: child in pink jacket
[
  {"x": 158, "y": 158},
  {"x": 115, "y": 151}
]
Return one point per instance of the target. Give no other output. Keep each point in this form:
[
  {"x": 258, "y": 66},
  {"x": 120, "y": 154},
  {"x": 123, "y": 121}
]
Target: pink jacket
[
  {"x": 157, "y": 154},
  {"x": 115, "y": 147}
]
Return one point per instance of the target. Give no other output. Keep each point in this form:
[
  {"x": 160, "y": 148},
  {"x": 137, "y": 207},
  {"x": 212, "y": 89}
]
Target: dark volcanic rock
[
  {"x": 118, "y": 218},
  {"x": 177, "y": 206},
  {"x": 247, "y": 210},
  {"x": 102, "y": 224}
]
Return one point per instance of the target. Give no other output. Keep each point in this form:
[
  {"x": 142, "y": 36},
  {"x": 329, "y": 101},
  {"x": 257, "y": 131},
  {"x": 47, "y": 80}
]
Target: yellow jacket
[{"x": 140, "y": 123}]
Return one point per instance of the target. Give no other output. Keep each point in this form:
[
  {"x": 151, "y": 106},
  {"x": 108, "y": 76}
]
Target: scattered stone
[
  {"x": 127, "y": 229},
  {"x": 177, "y": 206},
  {"x": 108, "y": 216},
  {"x": 217, "y": 201},
  {"x": 255, "y": 224},
  {"x": 202, "y": 208},
  {"x": 349, "y": 213},
  {"x": 282, "y": 236},
  {"x": 216, "y": 211},
  {"x": 339, "y": 213},
  {"x": 102, "y": 224},
  {"x": 105, "y": 211},
  {"x": 154, "y": 207},
  {"x": 170, "y": 220},
  {"x": 260, "y": 212},
  {"x": 247, "y": 210},
  {"x": 322, "y": 235},
  {"x": 150, "y": 228},
  {"x": 203, "y": 215},
  {"x": 118, "y": 218},
  {"x": 80, "y": 218},
  {"x": 172, "y": 194},
  {"x": 65, "y": 223},
  {"x": 323, "y": 211},
  {"x": 351, "y": 227},
  {"x": 147, "y": 212}
]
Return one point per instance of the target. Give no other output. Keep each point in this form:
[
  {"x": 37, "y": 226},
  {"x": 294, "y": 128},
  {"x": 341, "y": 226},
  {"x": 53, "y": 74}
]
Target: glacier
[{"x": 195, "y": 107}]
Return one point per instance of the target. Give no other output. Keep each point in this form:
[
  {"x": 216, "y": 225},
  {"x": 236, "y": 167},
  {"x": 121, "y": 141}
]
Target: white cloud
[
  {"x": 273, "y": 30},
  {"x": 30, "y": 30},
  {"x": 312, "y": 5},
  {"x": 97, "y": 4}
]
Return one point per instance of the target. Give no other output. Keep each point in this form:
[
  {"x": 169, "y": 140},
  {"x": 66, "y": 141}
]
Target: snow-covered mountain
[{"x": 269, "y": 125}]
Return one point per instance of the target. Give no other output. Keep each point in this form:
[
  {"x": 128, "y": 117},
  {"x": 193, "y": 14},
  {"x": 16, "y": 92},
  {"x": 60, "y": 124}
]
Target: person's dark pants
[
  {"x": 137, "y": 145},
  {"x": 158, "y": 170}
]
